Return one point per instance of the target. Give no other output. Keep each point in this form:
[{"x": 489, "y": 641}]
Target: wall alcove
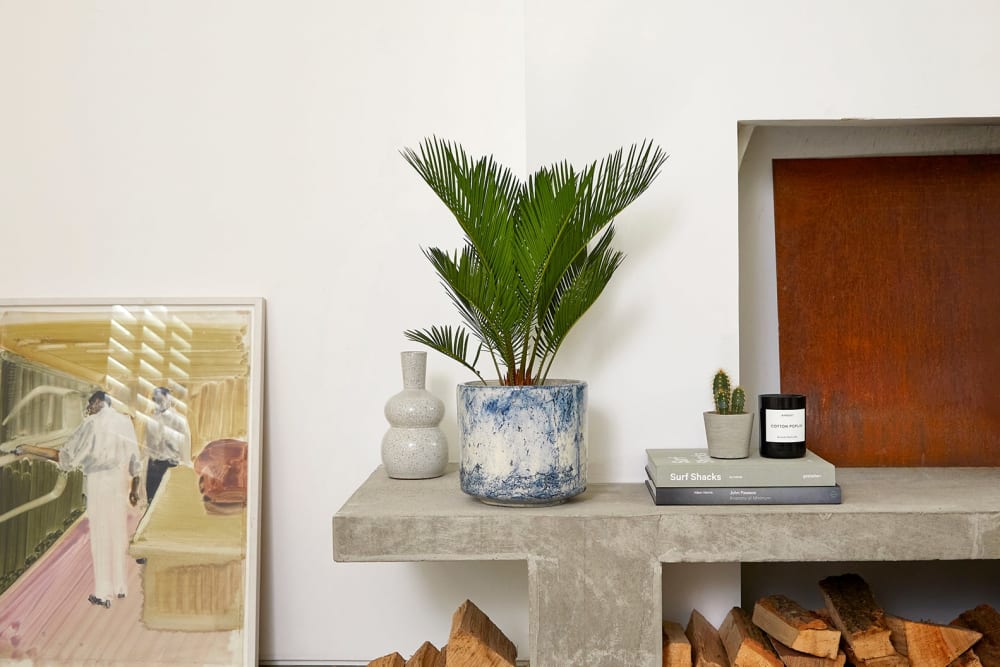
[
  {"x": 760, "y": 355},
  {"x": 846, "y": 263}
]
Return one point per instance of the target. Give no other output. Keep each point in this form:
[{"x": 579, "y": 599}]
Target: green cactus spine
[
  {"x": 720, "y": 383},
  {"x": 739, "y": 400},
  {"x": 727, "y": 401},
  {"x": 722, "y": 402}
]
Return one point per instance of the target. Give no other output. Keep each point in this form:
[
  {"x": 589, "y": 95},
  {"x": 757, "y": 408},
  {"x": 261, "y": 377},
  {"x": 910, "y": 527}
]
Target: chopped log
[
  {"x": 854, "y": 611},
  {"x": 967, "y": 659},
  {"x": 442, "y": 659},
  {"x": 892, "y": 660},
  {"x": 929, "y": 644},
  {"x": 792, "y": 658},
  {"x": 476, "y": 642},
  {"x": 745, "y": 644},
  {"x": 984, "y": 619},
  {"x": 706, "y": 645},
  {"x": 796, "y": 627},
  {"x": 676, "y": 646},
  {"x": 425, "y": 656},
  {"x": 394, "y": 659}
]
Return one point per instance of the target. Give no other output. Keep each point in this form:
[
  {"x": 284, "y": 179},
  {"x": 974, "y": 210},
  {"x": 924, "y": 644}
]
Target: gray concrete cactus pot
[
  {"x": 523, "y": 445},
  {"x": 728, "y": 435}
]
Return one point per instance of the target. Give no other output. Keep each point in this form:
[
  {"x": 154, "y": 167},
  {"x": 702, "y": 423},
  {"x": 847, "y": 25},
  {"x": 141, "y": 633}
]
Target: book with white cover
[{"x": 694, "y": 467}]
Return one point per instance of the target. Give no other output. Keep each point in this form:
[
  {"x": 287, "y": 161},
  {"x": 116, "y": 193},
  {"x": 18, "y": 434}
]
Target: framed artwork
[{"x": 130, "y": 468}]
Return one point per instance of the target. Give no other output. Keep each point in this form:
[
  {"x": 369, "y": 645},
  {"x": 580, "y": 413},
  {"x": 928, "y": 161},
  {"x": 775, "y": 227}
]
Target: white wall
[{"x": 250, "y": 148}]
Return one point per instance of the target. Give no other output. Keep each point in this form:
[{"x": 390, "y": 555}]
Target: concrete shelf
[{"x": 595, "y": 563}]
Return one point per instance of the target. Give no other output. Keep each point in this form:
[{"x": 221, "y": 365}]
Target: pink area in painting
[{"x": 45, "y": 617}]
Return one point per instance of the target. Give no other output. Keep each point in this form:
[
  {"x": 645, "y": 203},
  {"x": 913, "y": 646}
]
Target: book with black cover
[
  {"x": 745, "y": 495},
  {"x": 695, "y": 468}
]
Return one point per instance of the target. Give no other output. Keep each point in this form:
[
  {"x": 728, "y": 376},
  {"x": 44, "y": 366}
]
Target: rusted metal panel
[{"x": 888, "y": 273}]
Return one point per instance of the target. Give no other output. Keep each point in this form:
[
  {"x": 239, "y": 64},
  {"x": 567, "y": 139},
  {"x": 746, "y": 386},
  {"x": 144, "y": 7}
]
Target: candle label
[{"x": 785, "y": 425}]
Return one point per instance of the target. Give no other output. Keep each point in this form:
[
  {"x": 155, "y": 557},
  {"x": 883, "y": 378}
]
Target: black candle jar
[{"x": 782, "y": 426}]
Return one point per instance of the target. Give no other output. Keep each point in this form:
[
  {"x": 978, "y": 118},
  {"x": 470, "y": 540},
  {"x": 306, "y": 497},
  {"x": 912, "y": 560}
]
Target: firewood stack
[
  {"x": 474, "y": 641},
  {"x": 852, "y": 629}
]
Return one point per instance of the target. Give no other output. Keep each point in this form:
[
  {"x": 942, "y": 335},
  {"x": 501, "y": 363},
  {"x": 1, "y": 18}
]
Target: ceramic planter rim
[{"x": 495, "y": 384}]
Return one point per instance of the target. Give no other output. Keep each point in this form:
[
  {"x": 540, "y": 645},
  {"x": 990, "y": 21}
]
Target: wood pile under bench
[
  {"x": 474, "y": 641},
  {"x": 852, "y": 629}
]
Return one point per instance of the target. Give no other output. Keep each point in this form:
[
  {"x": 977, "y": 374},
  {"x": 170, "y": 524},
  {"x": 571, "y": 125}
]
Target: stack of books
[{"x": 692, "y": 477}]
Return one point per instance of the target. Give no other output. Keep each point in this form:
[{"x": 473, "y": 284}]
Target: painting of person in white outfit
[
  {"x": 168, "y": 440},
  {"x": 104, "y": 448}
]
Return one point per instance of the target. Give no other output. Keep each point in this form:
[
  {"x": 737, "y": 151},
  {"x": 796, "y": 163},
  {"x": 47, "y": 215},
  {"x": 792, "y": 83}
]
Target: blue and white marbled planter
[{"x": 523, "y": 445}]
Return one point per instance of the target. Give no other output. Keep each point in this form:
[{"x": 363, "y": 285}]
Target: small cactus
[
  {"x": 739, "y": 400},
  {"x": 720, "y": 383},
  {"x": 722, "y": 402},
  {"x": 727, "y": 401}
]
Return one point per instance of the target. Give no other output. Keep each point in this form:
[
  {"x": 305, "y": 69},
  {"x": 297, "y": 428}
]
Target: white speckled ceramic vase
[
  {"x": 414, "y": 447},
  {"x": 523, "y": 446}
]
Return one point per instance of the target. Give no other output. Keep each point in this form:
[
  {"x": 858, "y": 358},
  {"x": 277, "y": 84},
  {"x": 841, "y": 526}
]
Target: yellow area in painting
[
  {"x": 201, "y": 354},
  {"x": 193, "y": 576}
]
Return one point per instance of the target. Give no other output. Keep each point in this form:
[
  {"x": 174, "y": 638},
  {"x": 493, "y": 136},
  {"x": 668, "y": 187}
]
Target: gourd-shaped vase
[{"x": 414, "y": 447}]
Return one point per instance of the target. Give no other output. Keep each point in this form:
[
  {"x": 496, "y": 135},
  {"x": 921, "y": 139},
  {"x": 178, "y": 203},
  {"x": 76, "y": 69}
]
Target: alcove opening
[
  {"x": 713, "y": 588},
  {"x": 867, "y": 413}
]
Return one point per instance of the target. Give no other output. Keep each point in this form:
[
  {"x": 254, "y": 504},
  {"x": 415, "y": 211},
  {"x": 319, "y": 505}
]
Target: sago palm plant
[{"x": 537, "y": 254}]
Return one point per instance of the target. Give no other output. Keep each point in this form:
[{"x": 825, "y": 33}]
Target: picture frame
[{"x": 142, "y": 415}]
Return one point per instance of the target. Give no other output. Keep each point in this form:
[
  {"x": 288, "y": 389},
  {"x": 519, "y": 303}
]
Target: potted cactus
[{"x": 728, "y": 427}]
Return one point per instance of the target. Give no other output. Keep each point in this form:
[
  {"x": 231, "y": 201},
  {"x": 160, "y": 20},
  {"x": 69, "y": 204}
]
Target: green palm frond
[
  {"x": 482, "y": 195},
  {"x": 490, "y": 313},
  {"x": 576, "y": 295},
  {"x": 546, "y": 212},
  {"x": 450, "y": 342},
  {"x": 537, "y": 254},
  {"x": 553, "y": 332}
]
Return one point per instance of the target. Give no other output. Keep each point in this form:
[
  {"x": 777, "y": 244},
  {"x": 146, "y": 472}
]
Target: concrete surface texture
[{"x": 594, "y": 563}]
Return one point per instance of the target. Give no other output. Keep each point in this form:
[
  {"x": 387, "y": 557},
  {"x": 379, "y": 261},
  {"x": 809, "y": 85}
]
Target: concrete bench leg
[{"x": 595, "y": 606}]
